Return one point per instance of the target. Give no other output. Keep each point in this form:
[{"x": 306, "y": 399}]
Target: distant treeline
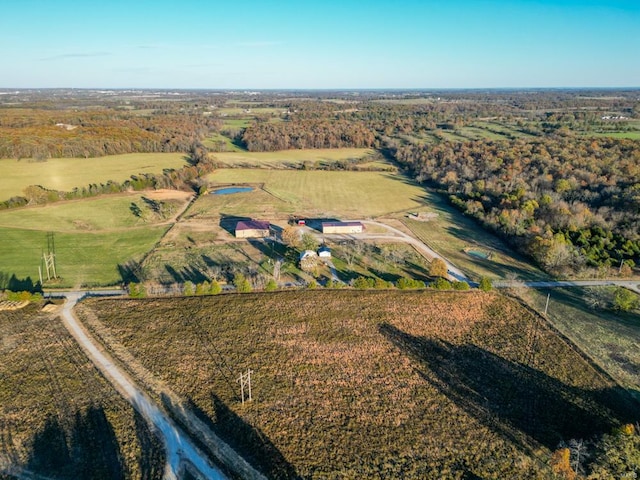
[
  {"x": 568, "y": 202},
  {"x": 42, "y": 134},
  {"x": 265, "y": 137}
]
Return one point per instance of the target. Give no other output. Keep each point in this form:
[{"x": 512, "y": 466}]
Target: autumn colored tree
[
  {"x": 561, "y": 464},
  {"x": 291, "y": 236},
  {"x": 438, "y": 268}
]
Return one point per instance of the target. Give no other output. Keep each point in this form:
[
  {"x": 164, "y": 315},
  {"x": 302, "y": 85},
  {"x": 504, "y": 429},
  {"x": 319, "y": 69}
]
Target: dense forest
[
  {"x": 307, "y": 134},
  {"x": 568, "y": 202},
  {"x": 41, "y": 134}
]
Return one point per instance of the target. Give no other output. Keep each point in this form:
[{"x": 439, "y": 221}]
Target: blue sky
[{"x": 328, "y": 44}]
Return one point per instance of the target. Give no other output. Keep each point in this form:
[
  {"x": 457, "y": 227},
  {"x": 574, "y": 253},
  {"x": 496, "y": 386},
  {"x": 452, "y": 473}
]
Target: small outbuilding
[
  {"x": 252, "y": 229},
  {"x": 342, "y": 227},
  {"x": 324, "y": 252}
]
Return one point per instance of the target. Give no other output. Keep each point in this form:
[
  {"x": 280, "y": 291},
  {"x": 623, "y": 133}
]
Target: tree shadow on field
[
  {"x": 248, "y": 441},
  {"x": 508, "y": 396},
  {"x": 87, "y": 449},
  {"x": 187, "y": 274},
  {"x": 131, "y": 272},
  {"x": 15, "y": 284},
  {"x": 84, "y": 446},
  {"x": 269, "y": 248}
]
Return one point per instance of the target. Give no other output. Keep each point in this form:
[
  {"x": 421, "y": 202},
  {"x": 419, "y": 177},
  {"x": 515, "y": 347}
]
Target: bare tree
[
  {"x": 276, "y": 270},
  {"x": 351, "y": 250},
  {"x": 579, "y": 454}
]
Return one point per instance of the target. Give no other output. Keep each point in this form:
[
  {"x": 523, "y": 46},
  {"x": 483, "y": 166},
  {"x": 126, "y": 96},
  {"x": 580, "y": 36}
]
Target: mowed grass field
[
  {"x": 91, "y": 214},
  {"x": 380, "y": 384},
  {"x": 319, "y": 193},
  {"x": 450, "y": 233},
  {"x": 290, "y": 158},
  {"x": 59, "y": 417},
  {"x": 92, "y": 237},
  {"x": 66, "y": 173},
  {"x": 82, "y": 259}
]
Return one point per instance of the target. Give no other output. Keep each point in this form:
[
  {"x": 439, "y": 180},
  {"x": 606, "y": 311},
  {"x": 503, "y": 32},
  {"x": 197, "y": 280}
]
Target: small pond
[
  {"x": 478, "y": 254},
  {"x": 230, "y": 190}
]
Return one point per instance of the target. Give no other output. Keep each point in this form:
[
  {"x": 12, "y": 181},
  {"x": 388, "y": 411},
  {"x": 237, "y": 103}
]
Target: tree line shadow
[
  {"x": 12, "y": 282},
  {"x": 512, "y": 398},
  {"x": 85, "y": 446},
  {"x": 248, "y": 441}
]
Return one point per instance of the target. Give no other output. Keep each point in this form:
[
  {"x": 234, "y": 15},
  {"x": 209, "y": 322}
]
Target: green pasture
[
  {"x": 633, "y": 135},
  {"x": 257, "y": 203},
  {"x": 217, "y": 138},
  {"x": 325, "y": 193},
  {"x": 66, "y": 173},
  {"x": 476, "y": 133},
  {"x": 81, "y": 258},
  {"x": 91, "y": 214},
  {"x": 92, "y": 236},
  {"x": 450, "y": 135},
  {"x": 290, "y": 158},
  {"x": 236, "y": 123},
  {"x": 494, "y": 130}
]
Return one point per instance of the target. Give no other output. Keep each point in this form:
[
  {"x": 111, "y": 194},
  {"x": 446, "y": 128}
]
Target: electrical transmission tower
[
  {"x": 245, "y": 381},
  {"x": 49, "y": 259}
]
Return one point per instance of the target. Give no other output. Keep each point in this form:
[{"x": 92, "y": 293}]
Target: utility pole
[
  {"x": 546, "y": 307},
  {"x": 245, "y": 381}
]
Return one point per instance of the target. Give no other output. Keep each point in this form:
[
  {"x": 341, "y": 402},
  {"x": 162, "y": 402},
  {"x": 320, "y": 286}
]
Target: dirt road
[
  {"x": 399, "y": 236},
  {"x": 179, "y": 448}
]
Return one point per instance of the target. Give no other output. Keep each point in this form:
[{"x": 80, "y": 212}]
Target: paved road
[{"x": 179, "y": 448}]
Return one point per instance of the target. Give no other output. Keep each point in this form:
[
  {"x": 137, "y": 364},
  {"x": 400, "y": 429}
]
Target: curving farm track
[{"x": 179, "y": 448}]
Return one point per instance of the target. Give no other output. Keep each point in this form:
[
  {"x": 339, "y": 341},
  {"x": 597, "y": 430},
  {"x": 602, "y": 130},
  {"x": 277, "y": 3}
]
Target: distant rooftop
[{"x": 252, "y": 225}]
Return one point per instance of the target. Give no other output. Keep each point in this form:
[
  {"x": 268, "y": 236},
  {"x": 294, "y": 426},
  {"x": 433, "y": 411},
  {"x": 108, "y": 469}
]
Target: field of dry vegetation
[
  {"x": 389, "y": 384},
  {"x": 59, "y": 418}
]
